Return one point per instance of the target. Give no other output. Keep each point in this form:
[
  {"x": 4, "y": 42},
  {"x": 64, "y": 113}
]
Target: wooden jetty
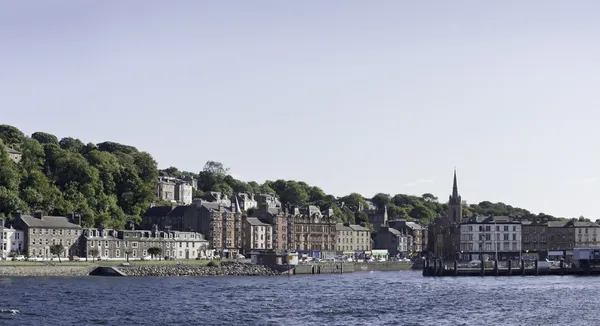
[{"x": 437, "y": 268}]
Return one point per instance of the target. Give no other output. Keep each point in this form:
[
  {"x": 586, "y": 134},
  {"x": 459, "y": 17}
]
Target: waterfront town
[{"x": 220, "y": 228}]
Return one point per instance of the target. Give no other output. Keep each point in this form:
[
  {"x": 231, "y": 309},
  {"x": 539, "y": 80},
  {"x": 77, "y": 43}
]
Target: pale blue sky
[{"x": 352, "y": 96}]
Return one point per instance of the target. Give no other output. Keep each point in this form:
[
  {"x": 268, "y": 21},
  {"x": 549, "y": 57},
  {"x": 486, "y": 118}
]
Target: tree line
[{"x": 110, "y": 184}]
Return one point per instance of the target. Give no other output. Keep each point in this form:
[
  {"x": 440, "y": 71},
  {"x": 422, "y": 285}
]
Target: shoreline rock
[{"x": 225, "y": 269}]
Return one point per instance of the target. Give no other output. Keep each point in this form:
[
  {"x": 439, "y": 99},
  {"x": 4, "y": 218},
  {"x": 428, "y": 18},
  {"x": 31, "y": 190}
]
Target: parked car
[
  {"x": 18, "y": 258},
  {"x": 474, "y": 263}
]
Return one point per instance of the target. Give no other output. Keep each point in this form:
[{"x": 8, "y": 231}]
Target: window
[
  {"x": 92, "y": 243},
  {"x": 505, "y": 236},
  {"x": 134, "y": 245},
  {"x": 106, "y": 253},
  {"x": 33, "y": 242},
  {"x": 145, "y": 253},
  {"x": 117, "y": 253},
  {"x": 33, "y": 252},
  {"x": 134, "y": 252},
  {"x": 514, "y": 236},
  {"x": 514, "y": 228}
]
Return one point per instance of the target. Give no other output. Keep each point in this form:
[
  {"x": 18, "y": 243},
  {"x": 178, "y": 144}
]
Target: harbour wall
[
  {"x": 342, "y": 268},
  {"x": 37, "y": 270}
]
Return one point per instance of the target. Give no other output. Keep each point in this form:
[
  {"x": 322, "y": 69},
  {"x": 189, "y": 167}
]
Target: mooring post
[
  {"x": 562, "y": 267},
  {"x": 435, "y": 267},
  {"x": 455, "y": 268},
  {"x": 496, "y": 267},
  {"x": 522, "y": 267},
  {"x": 482, "y": 267},
  {"x": 536, "y": 267},
  {"x": 509, "y": 267}
]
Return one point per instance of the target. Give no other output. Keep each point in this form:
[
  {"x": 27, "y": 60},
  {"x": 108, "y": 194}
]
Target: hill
[{"x": 110, "y": 183}]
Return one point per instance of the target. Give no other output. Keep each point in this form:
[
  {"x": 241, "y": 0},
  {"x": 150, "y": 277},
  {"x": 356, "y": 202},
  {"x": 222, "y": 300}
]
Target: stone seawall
[
  {"x": 225, "y": 269},
  {"x": 382, "y": 266},
  {"x": 40, "y": 270}
]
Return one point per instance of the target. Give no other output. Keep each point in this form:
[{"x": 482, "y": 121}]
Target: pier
[{"x": 439, "y": 268}]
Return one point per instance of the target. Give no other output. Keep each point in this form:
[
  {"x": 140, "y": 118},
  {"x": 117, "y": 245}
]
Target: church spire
[
  {"x": 455, "y": 203},
  {"x": 455, "y": 186}
]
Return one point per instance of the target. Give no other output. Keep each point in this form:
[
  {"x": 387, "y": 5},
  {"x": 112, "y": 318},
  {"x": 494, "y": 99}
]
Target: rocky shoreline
[{"x": 224, "y": 269}]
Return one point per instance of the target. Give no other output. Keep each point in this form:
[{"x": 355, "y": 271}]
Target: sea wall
[
  {"x": 41, "y": 270},
  {"x": 382, "y": 266},
  {"x": 225, "y": 269}
]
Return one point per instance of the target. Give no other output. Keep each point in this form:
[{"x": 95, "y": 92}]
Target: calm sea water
[{"x": 376, "y": 298}]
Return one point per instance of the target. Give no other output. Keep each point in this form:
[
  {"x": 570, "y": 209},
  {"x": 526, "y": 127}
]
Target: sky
[{"x": 351, "y": 96}]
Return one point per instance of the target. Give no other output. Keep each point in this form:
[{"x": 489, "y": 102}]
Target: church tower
[{"x": 455, "y": 204}]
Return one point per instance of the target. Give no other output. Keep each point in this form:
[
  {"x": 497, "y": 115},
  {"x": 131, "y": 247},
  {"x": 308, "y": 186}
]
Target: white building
[
  {"x": 489, "y": 238},
  {"x": 183, "y": 192},
  {"x": 256, "y": 235},
  {"x": 11, "y": 240},
  {"x": 246, "y": 200}
]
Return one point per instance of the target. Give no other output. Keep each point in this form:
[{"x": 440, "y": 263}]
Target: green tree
[
  {"x": 155, "y": 252},
  {"x": 94, "y": 253},
  {"x": 44, "y": 138},
  {"x": 127, "y": 253},
  {"x": 381, "y": 200},
  {"x": 429, "y": 197},
  {"x": 11, "y": 136},
  {"x": 57, "y": 249},
  {"x": 71, "y": 144}
]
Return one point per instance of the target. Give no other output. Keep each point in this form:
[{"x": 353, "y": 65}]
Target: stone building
[
  {"x": 587, "y": 234},
  {"x": 393, "y": 240},
  {"x": 256, "y": 235},
  {"x": 183, "y": 192},
  {"x": 312, "y": 230},
  {"x": 270, "y": 211},
  {"x": 41, "y": 232},
  {"x": 416, "y": 231},
  {"x": 166, "y": 189},
  {"x": 560, "y": 236},
  {"x": 14, "y": 154},
  {"x": 352, "y": 239},
  {"x": 134, "y": 244},
  {"x": 444, "y": 237},
  {"x": 221, "y": 224},
  {"x": 246, "y": 201},
  {"x": 534, "y": 238}
]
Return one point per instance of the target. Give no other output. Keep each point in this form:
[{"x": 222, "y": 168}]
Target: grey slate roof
[
  {"x": 159, "y": 211},
  {"x": 49, "y": 222},
  {"x": 256, "y": 222},
  {"x": 358, "y": 228},
  {"x": 342, "y": 227},
  {"x": 395, "y": 232},
  {"x": 414, "y": 226},
  {"x": 215, "y": 206}
]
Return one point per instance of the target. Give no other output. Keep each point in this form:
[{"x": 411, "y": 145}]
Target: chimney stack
[
  {"x": 1, "y": 222},
  {"x": 71, "y": 217},
  {"x": 17, "y": 215},
  {"x": 78, "y": 218},
  {"x": 38, "y": 214}
]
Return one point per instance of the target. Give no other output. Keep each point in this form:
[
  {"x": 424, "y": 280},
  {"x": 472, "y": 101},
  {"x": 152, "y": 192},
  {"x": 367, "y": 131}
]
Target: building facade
[
  {"x": 534, "y": 242},
  {"x": 313, "y": 231},
  {"x": 41, "y": 232},
  {"x": 496, "y": 237},
  {"x": 393, "y": 240},
  {"x": 14, "y": 154},
  {"x": 11, "y": 240},
  {"x": 352, "y": 239},
  {"x": 416, "y": 231},
  {"x": 134, "y": 244},
  {"x": 256, "y": 235}
]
